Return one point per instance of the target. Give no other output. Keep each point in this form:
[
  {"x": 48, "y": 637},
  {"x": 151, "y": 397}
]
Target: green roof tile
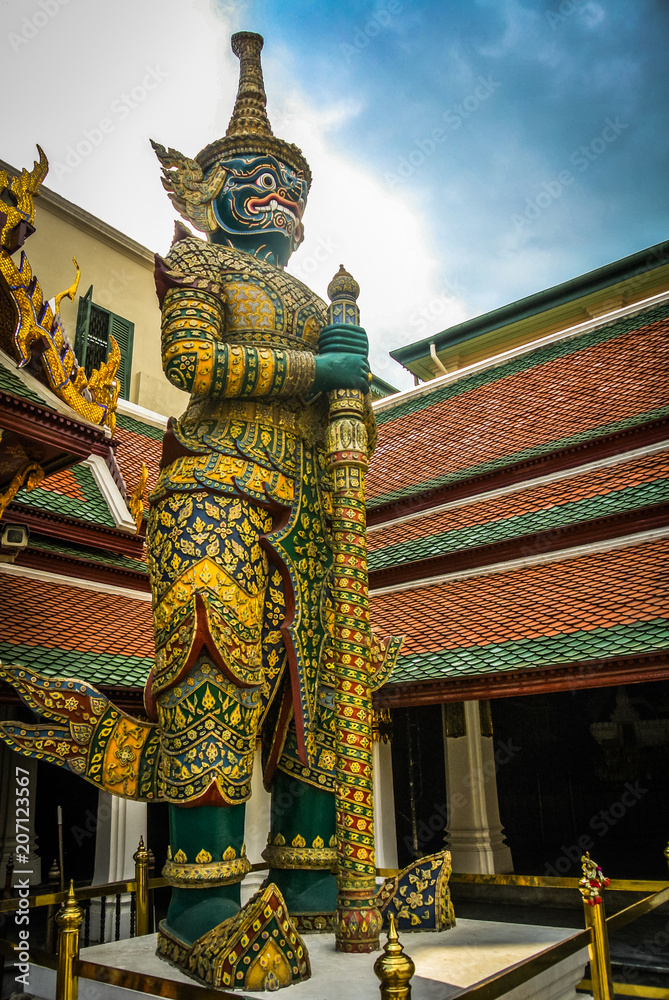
[
  {"x": 93, "y": 508},
  {"x": 12, "y": 384},
  {"x": 137, "y": 427},
  {"x": 546, "y": 448},
  {"x": 539, "y": 356},
  {"x": 587, "y": 644},
  {"x": 89, "y": 554},
  {"x": 96, "y": 668},
  {"x": 486, "y": 533}
]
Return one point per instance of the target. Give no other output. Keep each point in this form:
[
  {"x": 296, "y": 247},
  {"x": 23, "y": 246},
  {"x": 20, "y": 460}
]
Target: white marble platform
[{"x": 445, "y": 962}]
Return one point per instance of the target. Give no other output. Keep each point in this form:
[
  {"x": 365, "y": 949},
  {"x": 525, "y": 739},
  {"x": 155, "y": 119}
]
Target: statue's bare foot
[{"x": 258, "y": 948}]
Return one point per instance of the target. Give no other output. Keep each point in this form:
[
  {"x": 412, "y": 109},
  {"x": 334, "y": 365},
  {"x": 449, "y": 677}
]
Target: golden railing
[
  {"x": 70, "y": 967},
  {"x": 595, "y": 936}
]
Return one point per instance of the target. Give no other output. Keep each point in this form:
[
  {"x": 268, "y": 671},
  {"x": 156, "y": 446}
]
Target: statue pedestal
[{"x": 445, "y": 963}]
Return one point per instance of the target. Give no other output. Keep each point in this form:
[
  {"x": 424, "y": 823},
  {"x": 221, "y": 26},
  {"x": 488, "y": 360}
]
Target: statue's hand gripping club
[{"x": 342, "y": 361}]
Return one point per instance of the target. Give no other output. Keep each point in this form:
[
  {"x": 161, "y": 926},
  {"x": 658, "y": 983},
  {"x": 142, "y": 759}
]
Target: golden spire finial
[
  {"x": 393, "y": 967},
  {"x": 249, "y": 131},
  {"x": 249, "y": 116}
]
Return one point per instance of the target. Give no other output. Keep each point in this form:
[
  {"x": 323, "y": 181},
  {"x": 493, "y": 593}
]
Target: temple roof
[
  {"x": 614, "y": 488},
  {"x": 557, "y": 396},
  {"x": 590, "y": 607},
  {"x": 99, "y": 636},
  {"x": 518, "y": 520},
  {"x": 138, "y": 442},
  {"x": 517, "y": 523}
]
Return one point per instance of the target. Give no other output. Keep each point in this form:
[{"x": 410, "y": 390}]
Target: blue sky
[{"x": 465, "y": 154}]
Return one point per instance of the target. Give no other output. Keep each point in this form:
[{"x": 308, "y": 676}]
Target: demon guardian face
[{"x": 260, "y": 206}]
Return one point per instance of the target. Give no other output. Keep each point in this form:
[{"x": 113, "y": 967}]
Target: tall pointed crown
[{"x": 249, "y": 130}]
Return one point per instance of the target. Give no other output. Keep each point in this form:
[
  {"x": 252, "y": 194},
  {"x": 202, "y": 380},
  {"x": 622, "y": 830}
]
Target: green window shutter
[
  {"x": 123, "y": 331},
  {"x": 83, "y": 321},
  {"x": 95, "y": 326}
]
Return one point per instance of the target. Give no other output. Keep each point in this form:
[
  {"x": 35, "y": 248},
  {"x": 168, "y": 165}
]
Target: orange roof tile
[
  {"x": 65, "y": 483},
  {"x": 510, "y": 409},
  {"x": 603, "y": 589},
  {"x": 133, "y": 449},
  {"x": 44, "y": 613},
  {"x": 580, "y": 486}
]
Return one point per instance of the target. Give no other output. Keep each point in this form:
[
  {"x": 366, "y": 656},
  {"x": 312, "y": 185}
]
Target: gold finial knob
[
  {"x": 71, "y": 915},
  {"x": 141, "y": 854},
  {"x": 343, "y": 286},
  {"x": 394, "y": 968}
]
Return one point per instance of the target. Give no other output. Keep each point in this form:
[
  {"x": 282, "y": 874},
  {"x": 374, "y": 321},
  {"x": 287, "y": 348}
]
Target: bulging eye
[{"x": 267, "y": 181}]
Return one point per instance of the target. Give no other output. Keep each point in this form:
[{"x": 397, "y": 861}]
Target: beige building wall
[{"x": 121, "y": 272}]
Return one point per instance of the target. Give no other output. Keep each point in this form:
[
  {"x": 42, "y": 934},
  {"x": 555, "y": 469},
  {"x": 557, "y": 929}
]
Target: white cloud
[
  {"x": 352, "y": 218},
  {"x": 88, "y": 57}
]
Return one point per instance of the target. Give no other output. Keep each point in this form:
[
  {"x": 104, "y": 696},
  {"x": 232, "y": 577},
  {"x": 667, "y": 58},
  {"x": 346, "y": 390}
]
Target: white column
[
  {"x": 120, "y": 823},
  {"x": 474, "y": 831},
  {"x": 256, "y": 828},
  {"x": 385, "y": 836}
]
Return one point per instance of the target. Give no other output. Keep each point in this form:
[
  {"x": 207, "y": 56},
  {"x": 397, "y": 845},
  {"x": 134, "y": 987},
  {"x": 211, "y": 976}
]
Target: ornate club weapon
[{"x": 357, "y": 920}]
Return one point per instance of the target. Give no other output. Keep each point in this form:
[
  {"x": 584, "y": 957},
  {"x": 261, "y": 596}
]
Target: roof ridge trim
[
  {"x": 112, "y": 496},
  {"x": 545, "y": 480},
  {"x": 141, "y": 414},
  {"x": 50, "y": 400},
  {"x": 71, "y": 581}
]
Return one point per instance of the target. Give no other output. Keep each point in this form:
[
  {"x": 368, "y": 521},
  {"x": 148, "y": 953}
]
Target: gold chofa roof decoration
[
  {"x": 34, "y": 332},
  {"x": 249, "y": 130}
]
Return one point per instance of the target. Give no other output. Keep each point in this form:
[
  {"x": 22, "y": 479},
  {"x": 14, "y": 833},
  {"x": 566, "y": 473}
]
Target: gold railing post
[
  {"x": 69, "y": 921},
  {"x": 141, "y": 859},
  {"x": 394, "y": 968},
  {"x": 591, "y": 885}
]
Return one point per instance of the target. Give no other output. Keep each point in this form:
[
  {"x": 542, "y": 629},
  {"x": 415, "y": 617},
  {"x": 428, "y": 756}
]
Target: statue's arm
[{"x": 196, "y": 359}]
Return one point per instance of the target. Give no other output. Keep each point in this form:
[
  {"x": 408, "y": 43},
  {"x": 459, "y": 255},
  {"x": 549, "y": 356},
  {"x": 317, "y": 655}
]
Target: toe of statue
[{"x": 258, "y": 948}]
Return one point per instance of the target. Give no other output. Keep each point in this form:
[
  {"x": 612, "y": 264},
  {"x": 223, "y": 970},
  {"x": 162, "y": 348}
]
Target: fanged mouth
[{"x": 273, "y": 203}]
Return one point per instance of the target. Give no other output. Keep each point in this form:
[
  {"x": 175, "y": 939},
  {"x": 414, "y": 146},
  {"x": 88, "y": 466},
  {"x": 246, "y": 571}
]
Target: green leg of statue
[
  {"x": 301, "y": 851},
  {"x": 206, "y": 867}
]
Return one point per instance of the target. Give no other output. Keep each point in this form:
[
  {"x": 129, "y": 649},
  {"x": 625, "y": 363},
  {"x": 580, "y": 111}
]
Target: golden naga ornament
[
  {"x": 28, "y": 476},
  {"x": 38, "y": 332},
  {"x": 136, "y": 499}
]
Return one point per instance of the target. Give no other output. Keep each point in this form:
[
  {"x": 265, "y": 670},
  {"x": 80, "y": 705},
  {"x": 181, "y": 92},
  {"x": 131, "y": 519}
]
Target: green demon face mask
[{"x": 259, "y": 208}]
